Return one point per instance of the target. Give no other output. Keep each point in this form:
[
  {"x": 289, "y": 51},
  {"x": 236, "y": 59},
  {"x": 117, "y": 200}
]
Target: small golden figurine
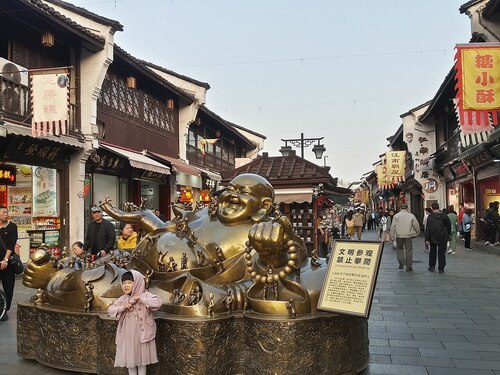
[
  {"x": 290, "y": 306},
  {"x": 89, "y": 296},
  {"x": 315, "y": 262},
  {"x": 171, "y": 265},
  {"x": 228, "y": 300},
  {"x": 184, "y": 261},
  {"x": 40, "y": 297},
  {"x": 210, "y": 306},
  {"x": 270, "y": 285},
  {"x": 202, "y": 259},
  {"x": 178, "y": 296},
  {"x": 147, "y": 278}
]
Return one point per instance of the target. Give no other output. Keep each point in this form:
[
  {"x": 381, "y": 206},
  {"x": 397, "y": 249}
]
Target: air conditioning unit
[{"x": 14, "y": 88}]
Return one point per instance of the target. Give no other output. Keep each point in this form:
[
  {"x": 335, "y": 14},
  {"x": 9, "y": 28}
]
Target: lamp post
[{"x": 302, "y": 142}]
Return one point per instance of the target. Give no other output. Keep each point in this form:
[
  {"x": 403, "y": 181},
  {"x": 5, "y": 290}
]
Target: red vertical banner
[{"x": 478, "y": 85}]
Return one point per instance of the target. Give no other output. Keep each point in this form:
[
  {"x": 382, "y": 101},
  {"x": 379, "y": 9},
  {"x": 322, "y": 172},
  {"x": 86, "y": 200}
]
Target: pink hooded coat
[{"x": 136, "y": 330}]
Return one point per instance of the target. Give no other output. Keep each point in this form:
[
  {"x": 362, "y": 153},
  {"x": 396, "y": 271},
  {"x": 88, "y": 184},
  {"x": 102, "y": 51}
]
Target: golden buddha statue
[{"x": 234, "y": 280}]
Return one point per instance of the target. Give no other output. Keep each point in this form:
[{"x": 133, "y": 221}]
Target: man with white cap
[
  {"x": 404, "y": 227},
  {"x": 100, "y": 238}
]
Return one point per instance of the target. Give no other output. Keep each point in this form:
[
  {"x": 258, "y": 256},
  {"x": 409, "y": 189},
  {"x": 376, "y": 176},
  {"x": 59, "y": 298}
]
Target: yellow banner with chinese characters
[
  {"x": 478, "y": 75},
  {"x": 383, "y": 181},
  {"x": 395, "y": 162}
]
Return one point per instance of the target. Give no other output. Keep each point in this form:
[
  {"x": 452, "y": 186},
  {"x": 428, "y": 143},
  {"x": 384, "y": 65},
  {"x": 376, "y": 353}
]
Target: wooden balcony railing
[{"x": 210, "y": 161}]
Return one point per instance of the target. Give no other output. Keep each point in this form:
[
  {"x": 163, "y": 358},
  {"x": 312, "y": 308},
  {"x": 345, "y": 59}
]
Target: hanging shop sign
[
  {"x": 50, "y": 101},
  {"x": 395, "y": 161},
  {"x": 384, "y": 182},
  {"x": 430, "y": 185},
  {"x": 479, "y": 159},
  {"x": 478, "y": 85},
  {"x": 459, "y": 169},
  {"x": 8, "y": 175}
]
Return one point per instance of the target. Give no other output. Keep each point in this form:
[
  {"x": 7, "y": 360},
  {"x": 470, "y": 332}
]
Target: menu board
[
  {"x": 44, "y": 192},
  {"x": 351, "y": 277}
]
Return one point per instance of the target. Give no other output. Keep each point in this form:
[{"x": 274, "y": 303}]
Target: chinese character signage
[
  {"x": 395, "y": 162},
  {"x": 383, "y": 181},
  {"x": 351, "y": 277},
  {"x": 478, "y": 85},
  {"x": 50, "y": 101},
  {"x": 7, "y": 174}
]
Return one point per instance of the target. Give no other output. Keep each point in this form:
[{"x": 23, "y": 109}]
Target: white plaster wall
[
  {"x": 420, "y": 136},
  {"x": 480, "y": 25}
]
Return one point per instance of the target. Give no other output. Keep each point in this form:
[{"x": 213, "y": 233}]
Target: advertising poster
[{"x": 44, "y": 192}]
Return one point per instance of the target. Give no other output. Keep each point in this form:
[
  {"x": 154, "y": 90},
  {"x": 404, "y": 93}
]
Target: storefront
[
  {"x": 125, "y": 176},
  {"x": 35, "y": 198}
]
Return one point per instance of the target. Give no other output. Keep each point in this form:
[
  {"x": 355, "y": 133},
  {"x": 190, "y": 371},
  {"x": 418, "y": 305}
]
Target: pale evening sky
[{"x": 343, "y": 70}]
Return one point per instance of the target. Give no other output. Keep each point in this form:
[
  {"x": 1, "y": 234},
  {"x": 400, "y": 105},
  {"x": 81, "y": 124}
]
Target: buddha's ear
[{"x": 266, "y": 205}]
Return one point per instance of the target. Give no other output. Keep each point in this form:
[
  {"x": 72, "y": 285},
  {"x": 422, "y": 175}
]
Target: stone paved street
[{"x": 421, "y": 323}]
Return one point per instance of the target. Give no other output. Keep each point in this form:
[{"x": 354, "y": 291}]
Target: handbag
[
  {"x": 17, "y": 263},
  {"x": 14, "y": 259}
]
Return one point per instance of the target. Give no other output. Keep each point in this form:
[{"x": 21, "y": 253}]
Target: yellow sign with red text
[{"x": 395, "y": 161}]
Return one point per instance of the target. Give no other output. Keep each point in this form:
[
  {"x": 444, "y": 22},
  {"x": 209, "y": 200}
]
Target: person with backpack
[{"x": 437, "y": 233}]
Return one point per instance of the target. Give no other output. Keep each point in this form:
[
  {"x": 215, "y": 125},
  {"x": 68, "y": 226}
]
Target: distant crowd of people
[{"x": 441, "y": 230}]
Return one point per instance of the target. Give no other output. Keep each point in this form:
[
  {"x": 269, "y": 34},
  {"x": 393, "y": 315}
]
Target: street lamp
[{"x": 302, "y": 142}]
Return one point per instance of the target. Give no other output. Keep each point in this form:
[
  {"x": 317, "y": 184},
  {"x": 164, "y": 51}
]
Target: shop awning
[
  {"x": 212, "y": 175},
  {"x": 178, "y": 165},
  {"x": 293, "y": 195},
  {"x": 10, "y": 128},
  {"x": 138, "y": 160}
]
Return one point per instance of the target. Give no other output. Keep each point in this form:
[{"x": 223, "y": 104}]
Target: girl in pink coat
[{"x": 135, "y": 335}]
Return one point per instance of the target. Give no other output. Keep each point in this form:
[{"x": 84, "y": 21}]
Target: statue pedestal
[{"x": 247, "y": 343}]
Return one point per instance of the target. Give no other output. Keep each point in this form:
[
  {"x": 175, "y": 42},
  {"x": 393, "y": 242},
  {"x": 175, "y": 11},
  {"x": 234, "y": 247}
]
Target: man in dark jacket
[
  {"x": 100, "y": 238},
  {"x": 437, "y": 233}
]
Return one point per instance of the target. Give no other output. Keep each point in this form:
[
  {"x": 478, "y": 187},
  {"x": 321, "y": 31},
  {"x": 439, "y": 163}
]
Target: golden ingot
[
  {"x": 269, "y": 279},
  {"x": 290, "y": 243},
  {"x": 258, "y": 278},
  {"x": 249, "y": 263},
  {"x": 253, "y": 274},
  {"x": 248, "y": 256},
  {"x": 287, "y": 269},
  {"x": 291, "y": 263},
  {"x": 292, "y": 256},
  {"x": 282, "y": 274},
  {"x": 276, "y": 277},
  {"x": 292, "y": 249},
  {"x": 251, "y": 270}
]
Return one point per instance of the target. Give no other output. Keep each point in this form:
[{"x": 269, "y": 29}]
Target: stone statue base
[{"x": 247, "y": 343}]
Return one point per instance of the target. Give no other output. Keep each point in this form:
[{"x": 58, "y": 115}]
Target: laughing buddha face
[{"x": 248, "y": 197}]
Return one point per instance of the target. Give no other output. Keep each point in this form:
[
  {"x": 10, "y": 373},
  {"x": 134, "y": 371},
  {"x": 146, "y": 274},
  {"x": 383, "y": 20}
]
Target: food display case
[{"x": 48, "y": 239}]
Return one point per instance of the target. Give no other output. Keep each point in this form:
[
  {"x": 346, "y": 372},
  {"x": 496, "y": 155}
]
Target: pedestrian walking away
[
  {"x": 437, "y": 233},
  {"x": 359, "y": 220},
  {"x": 427, "y": 212},
  {"x": 404, "y": 228},
  {"x": 452, "y": 215},
  {"x": 467, "y": 227}
]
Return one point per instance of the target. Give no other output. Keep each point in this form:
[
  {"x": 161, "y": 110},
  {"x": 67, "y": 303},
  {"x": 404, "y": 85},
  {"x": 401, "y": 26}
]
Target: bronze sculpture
[{"x": 237, "y": 256}]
